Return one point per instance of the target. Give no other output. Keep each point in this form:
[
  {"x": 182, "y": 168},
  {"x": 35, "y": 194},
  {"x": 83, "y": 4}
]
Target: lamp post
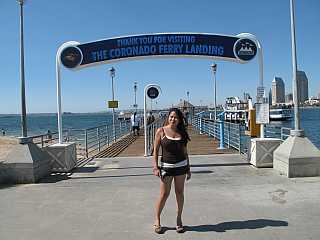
[
  {"x": 135, "y": 87},
  {"x": 22, "y": 76},
  {"x": 297, "y": 131},
  {"x": 214, "y": 70},
  {"x": 112, "y": 75}
]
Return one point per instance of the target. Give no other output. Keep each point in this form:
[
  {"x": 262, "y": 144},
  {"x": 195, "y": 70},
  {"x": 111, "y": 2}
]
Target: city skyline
[{"x": 88, "y": 90}]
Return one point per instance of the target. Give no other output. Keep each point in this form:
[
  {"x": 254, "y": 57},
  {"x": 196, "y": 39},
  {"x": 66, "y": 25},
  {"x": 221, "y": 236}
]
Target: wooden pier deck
[{"x": 199, "y": 145}]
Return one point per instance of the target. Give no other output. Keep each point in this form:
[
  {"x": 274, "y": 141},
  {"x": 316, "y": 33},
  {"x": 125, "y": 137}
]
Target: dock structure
[
  {"x": 132, "y": 146},
  {"x": 113, "y": 198}
]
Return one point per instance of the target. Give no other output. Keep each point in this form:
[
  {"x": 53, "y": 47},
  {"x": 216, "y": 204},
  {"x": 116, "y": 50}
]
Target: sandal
[
  {"x": 180, "y": 229},
  {"x": 158, "y": 229}
]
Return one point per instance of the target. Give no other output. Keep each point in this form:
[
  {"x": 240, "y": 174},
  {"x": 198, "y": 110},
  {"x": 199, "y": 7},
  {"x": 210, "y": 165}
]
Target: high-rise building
[
  {"x": 278, "y": 92},
  {"x": 289, "y": 98},
  {"x": 303, "y": 90},
  {"x": 270, "y": 97}
]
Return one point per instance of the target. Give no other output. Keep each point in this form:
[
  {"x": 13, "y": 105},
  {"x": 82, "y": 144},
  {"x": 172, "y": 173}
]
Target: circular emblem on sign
[
  {"x": 71, "y": 57},
  {"x": 153, "y": 92},
  {"x": 245, "y": 49}
]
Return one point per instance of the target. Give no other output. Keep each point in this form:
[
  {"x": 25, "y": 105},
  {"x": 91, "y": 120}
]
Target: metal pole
[
  {"x": 145, "y": 122},
  {"x": 297, "y": 131},
  {"x": 59, "y": 96},
  {"x": 215, "y": 96},
  {"x": 214, "y": 70},
  {"x": 135, "y": 96},
  {"x": 112, "y": 73},
  {"x": 22, "y": 76},
  {"x": 261, "y": 81},
  {"x": 113, "y": 119}
]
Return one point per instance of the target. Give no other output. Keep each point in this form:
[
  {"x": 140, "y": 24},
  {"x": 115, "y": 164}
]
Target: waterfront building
[
  {"x": 289, "y": 98},
  {"x": 303, "y": 91},
  {"x": 270, "y": 97},
  {"x": 278, "y": 92}
]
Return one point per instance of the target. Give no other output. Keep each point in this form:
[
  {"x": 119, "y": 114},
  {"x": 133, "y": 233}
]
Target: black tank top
[{"x": 172, "y": 150}]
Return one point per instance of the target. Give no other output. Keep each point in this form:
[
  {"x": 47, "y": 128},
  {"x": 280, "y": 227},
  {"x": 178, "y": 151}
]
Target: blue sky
[{"x": 48, "y": 24}]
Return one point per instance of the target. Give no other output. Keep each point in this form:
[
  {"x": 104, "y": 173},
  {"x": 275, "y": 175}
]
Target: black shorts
[
  {"x": 174, "y": 171},
  {"x": 135, "y": 128}
]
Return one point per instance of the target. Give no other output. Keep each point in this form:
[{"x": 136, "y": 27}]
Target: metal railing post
[
  {"x": 86, "y": 142},
  {"x": 107, "y": 135},
  {"x": 239, "y": 128},
  {"x": 98, "y": 136},
  {"x": 42, "y": 143},
  {"x": 221, "y": 135},
  {"x": 229, "y": 126}
]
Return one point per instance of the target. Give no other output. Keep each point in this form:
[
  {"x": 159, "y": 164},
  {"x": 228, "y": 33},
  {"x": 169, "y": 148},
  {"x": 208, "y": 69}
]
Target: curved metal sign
[{"x": 164, "y": 44}]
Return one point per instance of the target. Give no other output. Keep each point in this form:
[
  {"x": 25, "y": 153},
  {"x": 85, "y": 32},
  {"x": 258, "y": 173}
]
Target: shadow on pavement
[
  {"x": 237, "y": 225},
  {"x": 221, "y": 164},
  {"x": 113, "y": 176},
  {"x": 55, "y": 177}
]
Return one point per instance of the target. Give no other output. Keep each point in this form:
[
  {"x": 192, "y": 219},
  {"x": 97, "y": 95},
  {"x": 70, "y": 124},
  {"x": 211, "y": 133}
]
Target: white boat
[
  {"x": 280, "y": 113},
  {"x": 124, "y": 116},
  {"x": 235, "y": 110}
]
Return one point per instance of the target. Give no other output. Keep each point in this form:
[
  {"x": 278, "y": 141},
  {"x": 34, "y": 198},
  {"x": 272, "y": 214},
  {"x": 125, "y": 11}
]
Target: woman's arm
[{"x": 156, "y": 147}]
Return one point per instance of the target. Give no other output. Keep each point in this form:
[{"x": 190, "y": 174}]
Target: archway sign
[
  {"x": 165, "y": 44},
  {"x": 73, "y": 55}
]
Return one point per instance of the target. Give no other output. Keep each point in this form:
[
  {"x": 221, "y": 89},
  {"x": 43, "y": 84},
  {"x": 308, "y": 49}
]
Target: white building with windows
[
  {"x": 277, "y": 91},
  {"x": 303, "y": 90}
]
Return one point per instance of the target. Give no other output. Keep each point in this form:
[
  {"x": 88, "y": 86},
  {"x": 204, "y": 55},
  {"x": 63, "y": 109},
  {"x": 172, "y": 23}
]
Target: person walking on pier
[
  {"x": 135, "y": 123},
  {"x": 174, "y": 164}
]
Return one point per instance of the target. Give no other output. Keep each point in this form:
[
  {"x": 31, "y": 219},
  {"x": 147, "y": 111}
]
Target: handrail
[
  {"x": 87, "y": 140},
  {"x": 233, "y": 132},
  {"x": 151, "y": 131}
]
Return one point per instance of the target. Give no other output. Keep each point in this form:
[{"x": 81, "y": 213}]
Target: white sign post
[
  {"x": 262, "y": 115},
  {"x": 152, "y": 91},
  {"x": 58, "y": 63}
]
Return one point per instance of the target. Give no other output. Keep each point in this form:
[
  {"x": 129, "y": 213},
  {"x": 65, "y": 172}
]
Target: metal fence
[
  {"x": 233, "y": 133},
  {"x": 151, "y": 131},
  {"x": 273, "y": 131},
  {"x": 88, "y": 141}
]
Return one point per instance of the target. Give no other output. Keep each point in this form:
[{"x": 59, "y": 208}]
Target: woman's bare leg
[
  {"x": 165, "y": 187},
  {"x": 179, "y": 189}
]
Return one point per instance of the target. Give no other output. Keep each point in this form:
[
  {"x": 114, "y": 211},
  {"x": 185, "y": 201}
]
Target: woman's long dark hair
[{"x": 181, "y": 125}]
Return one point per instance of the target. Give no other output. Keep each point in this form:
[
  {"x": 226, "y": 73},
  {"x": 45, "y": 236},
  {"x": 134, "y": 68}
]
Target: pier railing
[
  {"x": 232, "y": 133},
  {"x": 151, "y": 130},
  {"x": 273, "y": 131},
  {"x": 88, "y": 141}
]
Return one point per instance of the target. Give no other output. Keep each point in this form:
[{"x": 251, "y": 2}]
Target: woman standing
[{"x": 174, "y": 164}]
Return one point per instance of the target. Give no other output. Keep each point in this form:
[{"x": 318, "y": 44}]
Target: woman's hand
[
  {"x": 188, "y": 175},
  {"x": 156, "y": 171}
]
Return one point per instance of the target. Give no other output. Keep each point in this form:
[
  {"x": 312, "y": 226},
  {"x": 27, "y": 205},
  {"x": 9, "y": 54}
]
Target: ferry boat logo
[
  {"x": 71, "y": 57},
  {"x": 245, "y": 49}
]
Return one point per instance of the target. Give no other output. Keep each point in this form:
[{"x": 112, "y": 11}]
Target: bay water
[{"x": 40, "y": 123}]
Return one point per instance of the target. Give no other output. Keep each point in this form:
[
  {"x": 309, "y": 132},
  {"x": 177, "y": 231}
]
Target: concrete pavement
[{"x": 114, "y": 199}]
